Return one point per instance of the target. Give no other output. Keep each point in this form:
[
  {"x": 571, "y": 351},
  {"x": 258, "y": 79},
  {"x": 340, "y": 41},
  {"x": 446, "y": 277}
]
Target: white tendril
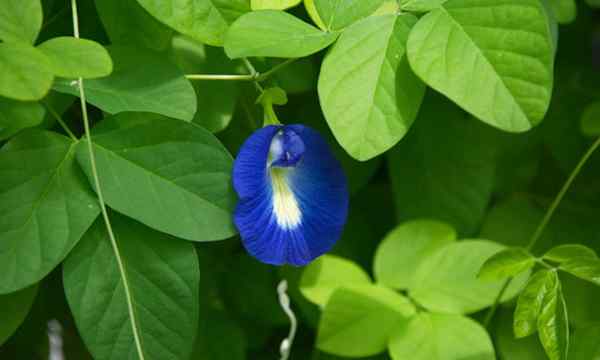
[
  {"x": 55, "y": 341},
  {"x": 284, "y": 301}
]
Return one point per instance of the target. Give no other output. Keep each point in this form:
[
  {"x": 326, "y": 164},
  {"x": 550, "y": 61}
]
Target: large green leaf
[
  {"x": 204, "y": 20},
  {"x": 127, "y": 23},
  {"x": 420, "y": 5},
  {"x": 18, "y": 115},
  {"x": 351, "y": 314},
  {"x": 369, "y": 95},
  {"x": 570, "y": 252},
  {"x": 163, "y": 277},
  {"x": 72, "y": 58},
  {"x": 585, "y": 268},
  {"x": 274, "y": 33},
  {"x": 20, "y": 20},
  {"x": 553, "y": 324},
  {"x": 441, "y": 337},
  {"x": 46, "y": 206},
  {"x": 493, "y": 58},
  {"x": 170, "y": 175},
  {"x": 337, "y": 14},
  {"x": 529, "y": 304},
  {"x": 406, "y": 247},
  {"x": 15, "y": 307},
  {"x": 24, "y": 72},
  {"x": 444, "y": 168},
  {"x": 328, "y": 273},
  {"x": 447, "y": 281},
  {"x": 142, "y": 80},
  {"x": 507, "y": 263},
  {"x": 273, "y": 4}
]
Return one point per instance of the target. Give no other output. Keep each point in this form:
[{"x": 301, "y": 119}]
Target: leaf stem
[
  {"x": 253, "y": 76},
  {"x": 542, "y": 226},
  {"x": 254, "y": 73},
  {"x": 59, "y": 120},
  {"x": 111, "y": 235},
  {"x": 220, "y": 77},
  {"x": 264, "y": 76}
]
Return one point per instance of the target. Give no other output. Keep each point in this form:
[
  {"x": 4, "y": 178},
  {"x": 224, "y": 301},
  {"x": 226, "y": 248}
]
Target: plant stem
[
  {"x": 284, "y": 300},
  {"x": 111, "y": 235},
  {"x": 266, "y": 75},
  {"x": 254, "y": 73},
  {"x": 253, "y": 76},
  {"x": 546, "y": 219},
  {"x": 60, "y": 121},
  {"x": 220, "y": 77}
]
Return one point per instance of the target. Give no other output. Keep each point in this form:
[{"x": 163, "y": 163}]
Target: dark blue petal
[{"x": 294, "y": 208}]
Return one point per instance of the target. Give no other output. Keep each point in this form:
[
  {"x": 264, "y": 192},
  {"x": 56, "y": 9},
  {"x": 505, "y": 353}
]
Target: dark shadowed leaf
[
  {"x": 18, "y": 115},
  {"x": 15, "y": 307}
]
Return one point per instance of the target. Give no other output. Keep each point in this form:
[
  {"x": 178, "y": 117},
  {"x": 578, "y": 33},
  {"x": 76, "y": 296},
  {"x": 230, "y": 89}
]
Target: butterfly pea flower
[{"x": 293, "y": 195}]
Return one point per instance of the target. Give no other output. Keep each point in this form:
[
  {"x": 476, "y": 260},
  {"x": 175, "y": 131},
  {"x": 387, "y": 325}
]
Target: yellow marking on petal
[{"x": 286, "y": 209}]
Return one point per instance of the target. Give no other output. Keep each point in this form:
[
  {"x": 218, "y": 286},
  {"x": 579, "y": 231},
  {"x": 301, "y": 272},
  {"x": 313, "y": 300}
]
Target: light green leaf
[
  {"x": 24, "y": 72},
  {"x": 18, "y": 115},
  {"x": 590, "y": 120},
  {"x": 529, "y": 303},
  {"x": 15, "y": 307},
  {"x": 46, "y": 206},
  {"x": 337, "y": 14},
  {"x": 170, "y": 175},
  {"x": 584, "y": 268},
  {"x": 447, "y": 281},
  {"x": 274, "y": 33},
  {"x": 204, "y": 20},
  {"x": 585, "y": 344},
  {"x": 72, "y": 58},
  {"x": 130, "y": 88},
  {"x": 441, "y": 337},
  {"x": 406, "y": 247},
  {"x": 445, "y": 167},
  {"x": 351, "y": 314},
  {"x": 311, "y": 9},
  {"x": 494, "y": 59},
  {"x": 328, "y": 273},
  {"x": 565, "y": 11},
  {"x": 553, "y": 324},
  {"x": 506, "y": 264},
  {"x": 216, "y": 99},
  {"x": 570, "y": 252},
  {"x": 369, "y": 95},
  {"x": 420, "y": 5},
  {"x": 273, "y": 4},
  {"x": 163, "y": 277},
  {"x": 127, "y": 23},
  {"x": 20, "y": 20}
]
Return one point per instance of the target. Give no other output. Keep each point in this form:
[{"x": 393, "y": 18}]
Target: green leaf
[
  {"x": 494, "y": 59},
  {"x": 441, "y": 337},
  {"x": 570, "y": 252},
  {"x": 203, "y": 20},
  {"x": 24, "y": 72},
  {"x": 420, "y": 5},
  {"x": 350, "y": 314},
  {"x": 73, "y": 58},
  {"x": 369, "y": 95},
  {"x": 216, "y": 99},
  {"x": 130, "y": 88},
  {"x": 529, "y": 303},
  {"x": 18, "y": 115},
  {"x": 127, "y": 23},
  {"x": 15, "y": 307},
  {"x": 337, "y": 14},
  {"x": 273, "y": 4},
  {"x": 311, "y": 9},
  {"x": 553, "y": 324},
  {"x": 590, "y": 120},
  {"x": 328, "y": 273},
  {"x": 406, "y": 247},
  {"x": 46, "y": 206},
  {"x": 274, "y": 33},
  {"x": 447, "y": 281},
  {"x": 170, "y": 175},
  {"x": 565, "y": 11},
  {"x": 445, "y": 167},
  {"x": 506, "y": 264},
  {"x": 585, "y": 346},
  {"x": 20, "y": 20},
  {"x": 163, "y": 277},
  {"x": 584, "y": 268}
]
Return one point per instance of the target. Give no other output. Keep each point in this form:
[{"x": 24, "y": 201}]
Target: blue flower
[{"x": 293, "y": 195}]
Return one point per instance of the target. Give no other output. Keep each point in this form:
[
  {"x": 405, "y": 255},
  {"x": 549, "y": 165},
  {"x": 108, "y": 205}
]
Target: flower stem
[
  {"x": 86, "y": 125},
  {"x": 60, "y": 121},
  {"x": 546, "y": 219},
  {"x": 284, "y": 301}
]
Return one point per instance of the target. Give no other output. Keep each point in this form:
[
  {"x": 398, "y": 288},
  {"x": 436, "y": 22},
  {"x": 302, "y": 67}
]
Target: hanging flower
[{"x": 293, "y": 195}]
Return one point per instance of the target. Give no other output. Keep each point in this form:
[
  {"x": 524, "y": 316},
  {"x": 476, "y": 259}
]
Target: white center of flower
[{"x": 285, "y": 206}]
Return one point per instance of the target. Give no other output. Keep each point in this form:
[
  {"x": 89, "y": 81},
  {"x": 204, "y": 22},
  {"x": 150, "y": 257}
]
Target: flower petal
[{"x": 290, "y": 214}]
